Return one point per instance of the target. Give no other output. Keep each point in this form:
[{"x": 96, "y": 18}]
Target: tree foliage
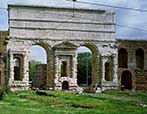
[
  {"x": 32, "y": 68},
  {"x": 84, "y": 68}
]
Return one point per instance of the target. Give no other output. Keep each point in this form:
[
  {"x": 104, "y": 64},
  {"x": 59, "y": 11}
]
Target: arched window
[
  {"x": 108, "y": 71},
  {"x": 122, "y": 58},
  {"x": 140, "y": 58},
  {"x": 17, "y": 68},
  {"x": 64, "y": 68}
]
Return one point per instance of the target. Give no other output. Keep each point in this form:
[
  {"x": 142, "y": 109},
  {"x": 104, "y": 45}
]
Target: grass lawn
[{"x": 110, "y": 102}]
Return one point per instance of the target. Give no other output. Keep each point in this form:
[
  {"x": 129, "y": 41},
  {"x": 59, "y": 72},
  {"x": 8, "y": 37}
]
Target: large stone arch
[
  {"x": 21, "y": 47},
  {"x": 95, "y": 63},
  {"x": 50, "y": 65}
]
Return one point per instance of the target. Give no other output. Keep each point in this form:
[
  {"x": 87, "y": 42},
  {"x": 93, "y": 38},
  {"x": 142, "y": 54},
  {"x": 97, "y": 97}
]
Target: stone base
[{"x": 19, "y": 88}]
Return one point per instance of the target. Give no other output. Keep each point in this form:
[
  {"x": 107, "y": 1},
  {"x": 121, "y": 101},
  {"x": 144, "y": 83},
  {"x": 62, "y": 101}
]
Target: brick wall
[
  {"x": 140, "y": 75},
  {"x": 39, "y": 77}
]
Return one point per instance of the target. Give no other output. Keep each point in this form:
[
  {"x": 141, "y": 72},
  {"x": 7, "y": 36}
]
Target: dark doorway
[
  {"x": 65, "y": 85},
  {"x": 122, "y": 58},
  {"x": 126, "y": 80},
  {"x": 108, "y": 71}
]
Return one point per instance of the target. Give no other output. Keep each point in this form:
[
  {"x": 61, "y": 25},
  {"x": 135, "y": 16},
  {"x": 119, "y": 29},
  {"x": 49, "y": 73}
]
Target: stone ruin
[{"x": 60, "y": 33}]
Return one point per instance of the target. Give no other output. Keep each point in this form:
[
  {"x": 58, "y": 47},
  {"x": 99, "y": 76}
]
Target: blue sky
[
  {"x": 123, "y": 17},
  {"x": 38, "y": 53}
]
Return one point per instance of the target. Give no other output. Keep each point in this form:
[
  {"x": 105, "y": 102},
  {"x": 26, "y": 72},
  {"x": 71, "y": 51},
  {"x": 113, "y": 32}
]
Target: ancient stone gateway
[{"x": 60, "y": 33}]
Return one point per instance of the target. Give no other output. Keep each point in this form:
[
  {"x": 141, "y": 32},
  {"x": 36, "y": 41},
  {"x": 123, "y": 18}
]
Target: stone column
[
  {"x": 98, "y": 76},
  {"x": 11, "y": 78},
  {"x": 25, "y": 69},
  {"x": 115, "y": 68},
  {"x": 103, "y": 69},
  {"x": 57, "y": 65},
  {"x": 95, "y": 70},
  {"x": 74, "y": 68},
  {"x": 50, "y": 69}
]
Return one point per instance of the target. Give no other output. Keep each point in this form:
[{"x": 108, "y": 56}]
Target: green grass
[{"x": 109, "y": 102}]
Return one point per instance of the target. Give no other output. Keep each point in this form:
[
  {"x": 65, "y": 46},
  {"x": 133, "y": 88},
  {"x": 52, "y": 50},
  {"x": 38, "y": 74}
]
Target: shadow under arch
[
  {"x": 49, "y": 53},
  {"x": 65, "y": 85},
  {"x": 95, "y": 63},
  {"x": 18, "y": 73},
  {"x": 126, "y": 80}
]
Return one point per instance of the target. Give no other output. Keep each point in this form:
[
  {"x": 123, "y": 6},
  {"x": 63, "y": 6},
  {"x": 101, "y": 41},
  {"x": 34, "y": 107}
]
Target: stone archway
[
  {"x": 44, "y": 70},
  {"x": 26, "y": 30},
  {"x": 126, "y": 80},
  {"x": 84, "y": 66},
  {"x": 94, "y": 80}
]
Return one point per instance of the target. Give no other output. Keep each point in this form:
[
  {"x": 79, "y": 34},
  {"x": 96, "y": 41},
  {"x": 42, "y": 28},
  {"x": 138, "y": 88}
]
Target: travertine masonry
[
  {"x": 138, "y": 75},
  {"x": 116, "y": 63},
  {"x": 60, "y": 33}
]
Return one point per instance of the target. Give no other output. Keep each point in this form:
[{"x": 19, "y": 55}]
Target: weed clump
[{"x": 3, "y": 91}]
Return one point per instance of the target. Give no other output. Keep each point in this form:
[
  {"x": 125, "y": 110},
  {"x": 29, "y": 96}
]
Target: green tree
[
  {"x": 84, "y": 68},
  {"x": 32, "y": 67}
]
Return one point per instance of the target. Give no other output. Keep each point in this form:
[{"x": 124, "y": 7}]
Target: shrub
[
  {"x": 4, "y": 90},
  {"x": 1, "y": 94}
]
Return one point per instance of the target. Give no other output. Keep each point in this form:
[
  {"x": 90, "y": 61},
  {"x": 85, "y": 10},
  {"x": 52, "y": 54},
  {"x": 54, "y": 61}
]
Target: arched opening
[
  {"x": 122, "y": 58},
  {"x": 126, "y": 80},
  {"x": 18, "y": 75},
  {"x": 87, "y": 65},
  {"x": 38, "y": 66},
  {"x": 108, "y": 75},
  {"x": 65, "y": 85},
  {"x": 64, "y": 68},
  {"x": 140, "y": 58}
]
